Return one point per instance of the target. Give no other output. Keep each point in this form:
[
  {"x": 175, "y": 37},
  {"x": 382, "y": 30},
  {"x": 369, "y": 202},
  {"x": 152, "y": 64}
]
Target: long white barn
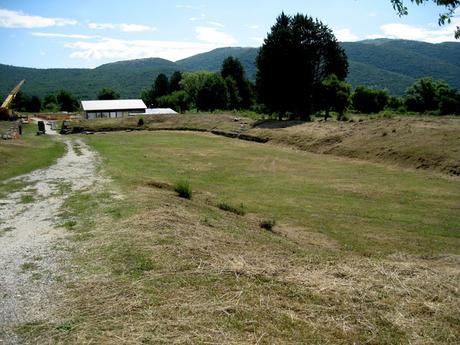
[{"x": 113, "y": 108}]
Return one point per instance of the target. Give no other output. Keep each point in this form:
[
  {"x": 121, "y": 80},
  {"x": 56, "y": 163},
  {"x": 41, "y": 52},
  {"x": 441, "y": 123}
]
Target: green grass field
[
  {"x": 28, "y": 153},
  {"x": 366, "y": 208},
  {"x": 360, "y": 253}
]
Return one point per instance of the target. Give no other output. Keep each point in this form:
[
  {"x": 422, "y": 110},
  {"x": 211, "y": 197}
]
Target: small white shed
[{"x": 157, "y": 111}]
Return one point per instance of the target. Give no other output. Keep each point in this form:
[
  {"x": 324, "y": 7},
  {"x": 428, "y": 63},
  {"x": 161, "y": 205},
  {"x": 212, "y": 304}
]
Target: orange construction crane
[{"x": 5, "y": 111}]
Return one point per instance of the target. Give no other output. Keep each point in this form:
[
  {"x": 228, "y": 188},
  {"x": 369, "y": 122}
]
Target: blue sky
[{"x": 81, "y": 33}]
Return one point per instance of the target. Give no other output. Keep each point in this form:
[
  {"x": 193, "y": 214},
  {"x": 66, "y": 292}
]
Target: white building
[
  {"x": 113, "y": 108},
  {"x": 157, "y": 111}
]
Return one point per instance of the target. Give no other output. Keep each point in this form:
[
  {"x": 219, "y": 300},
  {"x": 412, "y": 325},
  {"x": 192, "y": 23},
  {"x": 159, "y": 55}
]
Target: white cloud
[
  {"x": 419, "y": 33},
  {"x": 14, "y": 19},
  {"x": 219, "y": 25},
  {"x": 254, "y": 27},
  {"x": 42, "y": 53},
  {"x": 136, "y": 28},
  {"x": 101, "y": 26},
  {"x": 117, "y": 49},
  {"x": 193, "y": 19},
  {"x": 214, "y": 36},
  {"x": 345, "y": 35},
  {"x": 374, "y": 37},
  {"x": 57, "y": 35},
  {"x": 122, "y": 27}
]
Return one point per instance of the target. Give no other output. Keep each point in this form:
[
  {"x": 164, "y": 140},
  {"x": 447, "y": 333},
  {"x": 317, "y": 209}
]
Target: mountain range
[{"x": 382, "y": 63}]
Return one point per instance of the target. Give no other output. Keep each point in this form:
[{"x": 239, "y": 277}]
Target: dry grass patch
[
  {"x": 182, "y": 272},
  {"x": 428, "y": 143}
]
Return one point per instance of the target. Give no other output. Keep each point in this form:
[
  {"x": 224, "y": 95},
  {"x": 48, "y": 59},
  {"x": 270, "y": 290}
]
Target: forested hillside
[{"x": 387, "y": 64}]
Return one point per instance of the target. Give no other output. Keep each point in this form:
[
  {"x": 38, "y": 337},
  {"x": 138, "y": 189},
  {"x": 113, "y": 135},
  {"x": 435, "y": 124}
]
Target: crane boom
[{"x": 7, "y": 102}]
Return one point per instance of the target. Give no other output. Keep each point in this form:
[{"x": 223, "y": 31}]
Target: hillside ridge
[{"x": 382, "y": 63}]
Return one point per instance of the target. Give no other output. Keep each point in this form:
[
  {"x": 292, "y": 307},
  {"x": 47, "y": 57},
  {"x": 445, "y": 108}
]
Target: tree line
[
  {"x": 62, "y": 101},
  {"x": 301, "y": 71},
  {"x": 204, "y": 91}
]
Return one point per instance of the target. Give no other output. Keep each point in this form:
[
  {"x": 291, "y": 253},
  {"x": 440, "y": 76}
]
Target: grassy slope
[
  {"x": 429, "y": 143},
  {"x": 28, "y": 153},
  {"x": 354, "y": 257},
  {"x": 311, "y": 191}
]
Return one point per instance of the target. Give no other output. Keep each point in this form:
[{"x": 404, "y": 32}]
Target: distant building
[
  {"x": 157, "y": 111},
  {"x": 113, "y": 108}
]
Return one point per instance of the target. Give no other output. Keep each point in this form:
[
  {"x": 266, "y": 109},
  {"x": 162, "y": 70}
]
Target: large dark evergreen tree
[
  {"x": 174, "y": 81},
  {"x": 161, "y": 86},
  {"x": 159, "y": 89},
  {"x": 297, "y": 55},
  {"x": 232, "y": 68}
]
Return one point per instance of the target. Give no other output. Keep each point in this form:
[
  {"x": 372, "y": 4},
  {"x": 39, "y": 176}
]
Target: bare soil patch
[{"x": 32, "y": 245}]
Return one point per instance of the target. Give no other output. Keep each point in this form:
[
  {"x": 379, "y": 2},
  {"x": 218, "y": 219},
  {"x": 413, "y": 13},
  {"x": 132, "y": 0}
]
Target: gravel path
[{"x": 31, "y": 245}]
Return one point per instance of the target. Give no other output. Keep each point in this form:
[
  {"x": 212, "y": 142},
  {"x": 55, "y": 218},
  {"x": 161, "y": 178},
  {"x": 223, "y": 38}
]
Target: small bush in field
[
  {"x": 140, "y": 123},
  {"x": 239, "y": 210},
  {"x": 268, "y": 224},
  {"x": 183, "y": 189}
]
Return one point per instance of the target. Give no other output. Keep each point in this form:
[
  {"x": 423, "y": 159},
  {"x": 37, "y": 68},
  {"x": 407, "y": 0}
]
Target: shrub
[
  {"x": 183, "y": 189},
  {"x": 268, "y": 224},
  {"x": 239, "y": 210},
  {"x": 178, "y": 100},
  {"x": 366, "y": 100},
  {"x": 140, "y": 123},
  {"x": 342, "y": 117}
]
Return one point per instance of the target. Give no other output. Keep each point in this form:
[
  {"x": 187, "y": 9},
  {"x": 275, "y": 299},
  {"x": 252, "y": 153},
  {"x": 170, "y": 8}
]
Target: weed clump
[
  {"x": 239, "y": 210},
  {"x": 183, "y": 189},
  {"x": 267, "y": 224},
  {"x": 140, "y": 123}
]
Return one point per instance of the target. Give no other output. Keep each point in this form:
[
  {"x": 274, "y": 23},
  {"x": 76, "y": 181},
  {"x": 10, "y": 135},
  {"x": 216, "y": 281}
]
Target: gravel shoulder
[{"x": 32, "y": 244}]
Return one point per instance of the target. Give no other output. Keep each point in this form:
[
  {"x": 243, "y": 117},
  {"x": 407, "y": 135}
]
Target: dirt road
[{"x": 31, "y": 242}]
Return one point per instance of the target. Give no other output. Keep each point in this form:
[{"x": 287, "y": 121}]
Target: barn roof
[
  {"x": 116, "y": 104},
  {"x": 159, "y": 111}
]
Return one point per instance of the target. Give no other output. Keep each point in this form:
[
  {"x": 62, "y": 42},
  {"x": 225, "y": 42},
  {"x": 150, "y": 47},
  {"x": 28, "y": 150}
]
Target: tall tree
[
  {"x": 192, "y": 83},
  {"x": 159, "y": 89},
  {"x": 429, "y": 95},
  {"x": 233, "y": 94},
  {"x": 20, "y": 102},
  {"x": 213, "y": 94},
  {"x": 174, "y": 81},
  {"x": 422, "y": 95},
  {"x": 50, "y": 103},
  {"x": 107, "y": 94},
  {"x": 23, "y": 102},
  {"x": 232, "y": 67},
  {"x": 34, "y": 105},
  {"x": 336, "y": 95},
  {"x": 450, "y": 5},
  {"x": 297, "y": 55},
  {"x": 67, "y": 101},
  {"x": 161, "y": 86}
]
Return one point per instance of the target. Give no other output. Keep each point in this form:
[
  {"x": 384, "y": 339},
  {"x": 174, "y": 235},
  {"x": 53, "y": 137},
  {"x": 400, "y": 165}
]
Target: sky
[{"x": 82, "y": 34}]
